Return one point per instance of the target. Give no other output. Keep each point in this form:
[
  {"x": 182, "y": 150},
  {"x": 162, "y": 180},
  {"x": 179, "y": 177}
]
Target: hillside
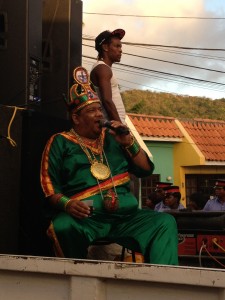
[{"x": 165, "y": 104}]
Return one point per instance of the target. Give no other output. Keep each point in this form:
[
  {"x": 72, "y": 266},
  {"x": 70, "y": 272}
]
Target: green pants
[{"x": 152, "y": 233}]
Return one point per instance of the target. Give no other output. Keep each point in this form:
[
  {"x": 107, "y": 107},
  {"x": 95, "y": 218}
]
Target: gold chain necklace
[
  {"x": 110, "y": 199},
  {"x": 101, "y": 172},
  {"x": 98, "y": 169}
]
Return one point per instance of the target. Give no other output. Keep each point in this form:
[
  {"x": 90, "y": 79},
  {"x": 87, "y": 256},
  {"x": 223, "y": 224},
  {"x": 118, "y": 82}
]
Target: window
[
  {"x": 147, "y": 186},
  {"x": 200, "y": 183}
]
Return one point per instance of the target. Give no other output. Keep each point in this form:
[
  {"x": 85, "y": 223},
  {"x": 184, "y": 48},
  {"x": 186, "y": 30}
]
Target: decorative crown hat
[{"x": 82, "y": 92}]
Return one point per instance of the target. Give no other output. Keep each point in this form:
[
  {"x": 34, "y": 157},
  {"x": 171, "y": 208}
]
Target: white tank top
[{"x": 116, "y": 97}]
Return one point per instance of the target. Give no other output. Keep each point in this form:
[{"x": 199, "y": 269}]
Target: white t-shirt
[{"x": 116, "y": 97}]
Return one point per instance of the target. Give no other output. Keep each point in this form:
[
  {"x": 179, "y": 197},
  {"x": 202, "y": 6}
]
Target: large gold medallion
[{"x": 100, "y": 171}]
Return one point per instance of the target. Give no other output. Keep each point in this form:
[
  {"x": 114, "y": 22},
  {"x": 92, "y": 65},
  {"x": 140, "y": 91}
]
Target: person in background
[
  {"x": 171, "y": 200},
  {"x": 197, "y": 201},
  {"x": 151, "y": 200},
  {"x": 160, "y": 192},
  {"x": 109, "y": 47},
  {"x": 89, "y": 162},
  {"x": 218, "y": 202}
]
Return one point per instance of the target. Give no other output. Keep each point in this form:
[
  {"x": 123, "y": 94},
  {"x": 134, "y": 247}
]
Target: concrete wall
[{"x": 25, "y": 278}]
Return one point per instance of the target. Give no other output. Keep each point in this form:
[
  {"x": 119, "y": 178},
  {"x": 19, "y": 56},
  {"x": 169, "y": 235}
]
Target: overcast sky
[{"x": 179, "y": 23}]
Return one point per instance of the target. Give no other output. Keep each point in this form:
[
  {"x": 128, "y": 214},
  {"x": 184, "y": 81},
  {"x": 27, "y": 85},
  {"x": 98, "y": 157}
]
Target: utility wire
[
  {"x": 176, "y": 47},
  {"x": 136, "y": 73},
  {"x": 141, "y": 84},
  {"x": 168, "y": 78},
  {"x": 156, "y": 77},
  {"x": 184, "y": 53},
  {"x": 161, "y": 77},
  {"x": 174, "y": 63},
  {"x": 164, "y": 46},
  {"x": 157, "y": 17},
  {"x": 166, "y": 61},
  {"x": 160, "y": 49},
  {"x": 165, "y": 73}
]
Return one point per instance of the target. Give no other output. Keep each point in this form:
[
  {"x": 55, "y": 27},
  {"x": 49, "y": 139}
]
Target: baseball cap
[{"x": 105, "y": 35}]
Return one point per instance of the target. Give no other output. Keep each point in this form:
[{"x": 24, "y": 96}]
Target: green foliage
[
  {"x": 138, "y": 107},
  {"x": 170, "y": 105}
]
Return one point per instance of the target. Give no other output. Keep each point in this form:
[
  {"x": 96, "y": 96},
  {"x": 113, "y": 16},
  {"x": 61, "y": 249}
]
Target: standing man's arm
[{"x": 101, "y": 77}]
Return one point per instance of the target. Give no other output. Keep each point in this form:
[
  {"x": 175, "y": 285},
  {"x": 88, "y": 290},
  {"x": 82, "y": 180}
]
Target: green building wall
[{"x": 163, "y": 159}]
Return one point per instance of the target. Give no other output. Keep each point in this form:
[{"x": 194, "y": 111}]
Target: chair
[{"x": 104, "y": 242}]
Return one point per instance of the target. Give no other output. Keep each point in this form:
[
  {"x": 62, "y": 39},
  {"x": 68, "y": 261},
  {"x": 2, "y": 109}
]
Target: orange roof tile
[
  {"x": 209, "y": 136},
  {"x": 155, "y": 126}
]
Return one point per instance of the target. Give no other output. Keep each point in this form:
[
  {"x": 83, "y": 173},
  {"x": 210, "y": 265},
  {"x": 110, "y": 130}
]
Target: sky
[{"x": 162, "y": 33}]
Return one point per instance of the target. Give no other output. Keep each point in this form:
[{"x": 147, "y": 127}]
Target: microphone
[{"x": 120, "y": 130}]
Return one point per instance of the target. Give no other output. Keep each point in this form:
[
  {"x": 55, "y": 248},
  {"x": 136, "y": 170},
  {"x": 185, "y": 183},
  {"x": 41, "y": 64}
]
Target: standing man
[{"x": 109, "y": 47}]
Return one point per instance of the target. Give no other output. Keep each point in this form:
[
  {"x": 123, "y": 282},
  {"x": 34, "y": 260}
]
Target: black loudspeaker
[
  {"x": 62, "y": 51},
  {"x": 23, "y": 223},
  {"x": 20, "y": 52}
]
